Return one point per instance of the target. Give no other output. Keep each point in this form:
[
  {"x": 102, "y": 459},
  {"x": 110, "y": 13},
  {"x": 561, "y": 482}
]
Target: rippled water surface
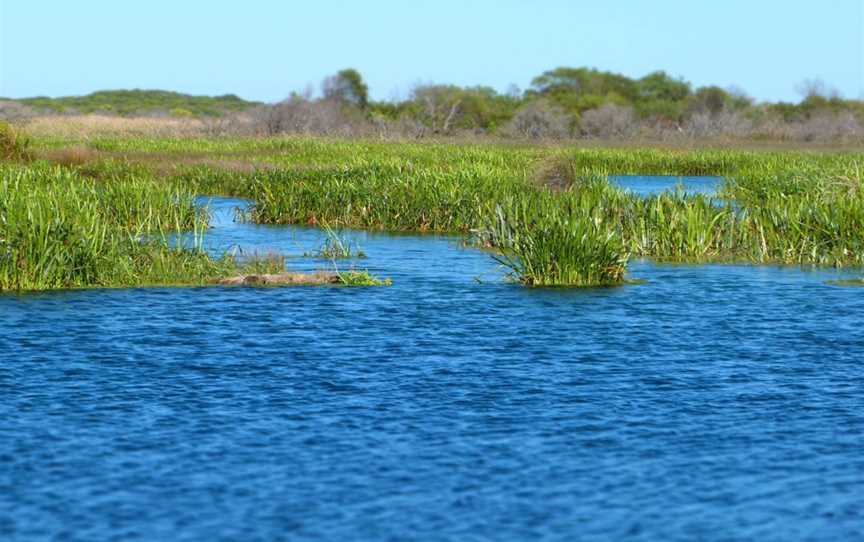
[{"x": 711, "y": 403}]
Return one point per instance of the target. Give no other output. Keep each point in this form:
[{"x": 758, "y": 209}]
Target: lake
[{"x": 712, "y": 402}]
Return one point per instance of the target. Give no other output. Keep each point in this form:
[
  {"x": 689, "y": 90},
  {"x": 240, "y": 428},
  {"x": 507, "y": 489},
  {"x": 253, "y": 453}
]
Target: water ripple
[{"x": 712, "y": 403}]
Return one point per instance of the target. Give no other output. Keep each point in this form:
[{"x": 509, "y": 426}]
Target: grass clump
[
  {"x": 14, "y": 145},
  {"x": 336, "y": 247},
  {"x": 361, "y": 278},
  {"x": 547, "y": 244}
]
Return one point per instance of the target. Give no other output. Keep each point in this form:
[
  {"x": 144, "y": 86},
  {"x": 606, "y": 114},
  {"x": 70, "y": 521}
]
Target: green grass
[
  {"x": 361, "y": 278},
  {"x": 851, "y": 283},
  {"x": 336, "y": 247},
  {"x": 564, "y": 248},
  {"x": 576, "y": 229},
  {"x": 788, "y": 208},
  {"x": 61, "y": 230}
]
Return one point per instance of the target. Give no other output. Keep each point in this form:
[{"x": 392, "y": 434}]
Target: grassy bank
[{"x": 61, "y": 230}]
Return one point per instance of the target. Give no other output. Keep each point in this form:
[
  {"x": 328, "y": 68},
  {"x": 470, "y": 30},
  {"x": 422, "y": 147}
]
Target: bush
[
  {"x": 723, "y": 124},
  {"x": 180, "y": 113},
  {"x": 608, "y": 121},
  {"x": 298, "y": 115},
  {"x": 540, "y": 119}
]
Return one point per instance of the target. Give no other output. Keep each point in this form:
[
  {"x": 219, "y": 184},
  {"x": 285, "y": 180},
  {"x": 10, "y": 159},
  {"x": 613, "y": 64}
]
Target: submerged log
[{"x": 281, "y": 279}]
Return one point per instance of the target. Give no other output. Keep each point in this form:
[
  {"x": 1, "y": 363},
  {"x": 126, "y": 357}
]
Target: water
[
  {"x": 650, "y": 185},
  {"x": 711, "y": 403}
]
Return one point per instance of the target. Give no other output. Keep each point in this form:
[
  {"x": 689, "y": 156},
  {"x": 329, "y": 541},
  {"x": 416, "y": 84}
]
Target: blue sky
[{"x": 265, "y": 49}]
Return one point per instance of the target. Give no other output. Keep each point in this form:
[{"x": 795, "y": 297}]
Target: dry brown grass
[
  {"x": 14, "y": 145},
  {"x": 77, "y": 155},
  {"x": 84, "y": 127},
  {"x": 555, "y": 173}
]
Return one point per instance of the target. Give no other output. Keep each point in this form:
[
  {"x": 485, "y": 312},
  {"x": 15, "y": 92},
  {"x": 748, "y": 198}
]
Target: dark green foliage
[
  {"x": 347, "y": 87},
  {"x": 142, "y": 102},
  {"x": 659, "y": 86},
  {"x": 562, "y": 82}
]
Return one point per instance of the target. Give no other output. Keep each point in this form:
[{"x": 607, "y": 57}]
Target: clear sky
[{"x": 263, "y": 49}]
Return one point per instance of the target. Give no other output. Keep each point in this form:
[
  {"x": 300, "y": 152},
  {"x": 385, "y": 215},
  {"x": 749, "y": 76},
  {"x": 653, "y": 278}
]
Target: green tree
[
  {"x": 347, "y": 87},
  {"x": 659, "y": 86},
  {"x": 583, "y": 81}
]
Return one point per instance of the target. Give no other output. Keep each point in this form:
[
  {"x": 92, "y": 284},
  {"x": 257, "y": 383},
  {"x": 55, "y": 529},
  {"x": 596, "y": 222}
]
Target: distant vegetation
[
  {"x": 562, "y": 103},
  {"x": 141, "y": 103}
]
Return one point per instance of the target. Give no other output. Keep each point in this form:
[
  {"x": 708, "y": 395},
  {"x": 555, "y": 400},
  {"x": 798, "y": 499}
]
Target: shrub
[
  {"x": 11, "y": 111},
  {"x": 723, "y": 124},
  {"x": 180, "y": 113},
  {"x": 540, "y": 119},
  {"x": 298, "y": 115},
  {"x": 608, "y": 121}
]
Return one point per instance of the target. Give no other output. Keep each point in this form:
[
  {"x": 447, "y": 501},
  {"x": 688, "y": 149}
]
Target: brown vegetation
[
  {"x": 14, "y": 145},
  {"x": 282, "y": 279},
  {"x": 77, "y": 155}
]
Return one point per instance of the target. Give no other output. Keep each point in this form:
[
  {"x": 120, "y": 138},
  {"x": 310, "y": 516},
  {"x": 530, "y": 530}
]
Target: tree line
[
  {"x": 559, "y": 104},
  {"x": 571, "y": 102}
]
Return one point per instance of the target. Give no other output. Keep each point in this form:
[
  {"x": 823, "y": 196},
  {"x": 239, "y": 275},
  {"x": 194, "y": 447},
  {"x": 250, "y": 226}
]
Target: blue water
[
  {"x": 711, "y": 403},
  {"x": 650, "y": 185}
]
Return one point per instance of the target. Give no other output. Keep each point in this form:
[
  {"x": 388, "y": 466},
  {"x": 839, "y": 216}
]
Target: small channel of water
[{"x": 650, "y": 185}]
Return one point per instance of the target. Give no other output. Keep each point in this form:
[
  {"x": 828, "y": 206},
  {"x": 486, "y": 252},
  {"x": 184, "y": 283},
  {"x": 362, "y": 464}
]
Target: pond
[
  {"x": 714, "y": 402},
  {"x": 651, "y": 185}
]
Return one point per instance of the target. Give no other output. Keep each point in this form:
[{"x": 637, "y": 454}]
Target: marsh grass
[
  {"x": 560, "y": 240},
  {"x": 336, "y": 247},
  {"x": 549, "y": 212},
  {"x": 61, "y": 230},
  {"x": 788, "y": 208}
]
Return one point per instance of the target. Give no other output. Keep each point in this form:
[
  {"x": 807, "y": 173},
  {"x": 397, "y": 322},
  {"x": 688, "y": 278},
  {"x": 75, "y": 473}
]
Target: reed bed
[
  {"x": 61, "y": 230},
  {"x": 788, "y": 208},
  {"x": 550, "y": 212}
]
